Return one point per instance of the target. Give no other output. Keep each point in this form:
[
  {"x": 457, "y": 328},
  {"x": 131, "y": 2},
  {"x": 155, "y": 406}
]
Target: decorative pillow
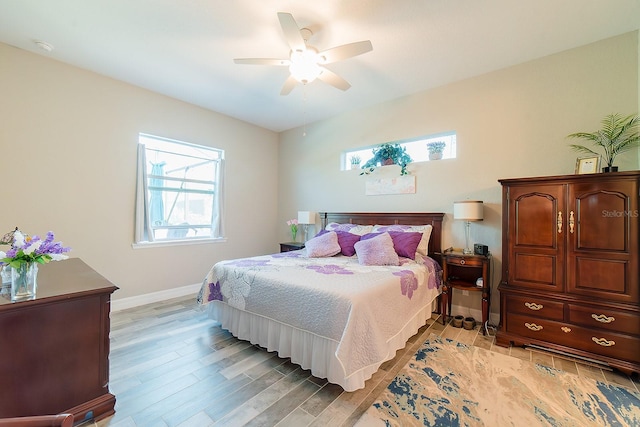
[
  {"x": 324, "y": 245},
  {"x": 404, "y": 243},
  {"x": 377, "y": 250},
  {"x": 423, "y": 246},
  {"x": 360, "y": 230},
  {"x": 346, "y": 241}
]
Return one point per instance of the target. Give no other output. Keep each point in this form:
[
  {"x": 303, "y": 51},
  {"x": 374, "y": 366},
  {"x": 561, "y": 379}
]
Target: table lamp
[
  {"x": 305, "y": 218},
  {"x": 468, "y": 210}
]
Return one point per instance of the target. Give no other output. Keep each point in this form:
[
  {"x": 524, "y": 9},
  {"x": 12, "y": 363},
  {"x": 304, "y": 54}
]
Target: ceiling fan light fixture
[{"x": 304, "y": 65}]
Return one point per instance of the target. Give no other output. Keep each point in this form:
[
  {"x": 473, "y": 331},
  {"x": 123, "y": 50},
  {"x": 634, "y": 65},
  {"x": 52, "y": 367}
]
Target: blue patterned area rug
[{"x": 447, "y": 383}]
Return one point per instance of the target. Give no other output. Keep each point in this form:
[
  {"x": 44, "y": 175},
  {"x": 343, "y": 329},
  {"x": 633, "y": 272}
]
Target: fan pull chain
[{"x": 304, "y": 110}]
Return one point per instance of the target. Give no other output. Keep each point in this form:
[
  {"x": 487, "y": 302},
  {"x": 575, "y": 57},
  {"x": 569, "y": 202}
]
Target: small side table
[
  {"x": 291, "y": 246},
  {"x": 461, "y": 271}
]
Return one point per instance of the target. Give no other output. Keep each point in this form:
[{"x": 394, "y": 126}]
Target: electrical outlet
[{"x": 465, "y": 293}]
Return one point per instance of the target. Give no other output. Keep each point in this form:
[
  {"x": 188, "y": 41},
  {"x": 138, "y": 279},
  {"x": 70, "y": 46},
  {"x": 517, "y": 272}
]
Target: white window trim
[{"x": 143, "y": 234}]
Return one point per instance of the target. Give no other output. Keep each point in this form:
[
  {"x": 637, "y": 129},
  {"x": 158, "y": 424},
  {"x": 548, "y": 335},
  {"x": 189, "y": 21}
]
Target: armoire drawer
[
  {"x": 605, "y": 318},
  {"x": 605, "y": 343},
  {"x": 535, "y": 306}
]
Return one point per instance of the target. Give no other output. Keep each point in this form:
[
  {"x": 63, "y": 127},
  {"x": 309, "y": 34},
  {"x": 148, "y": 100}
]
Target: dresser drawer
[
  {"x": 605, "y": 318},
  {"x": 535, "y": 306},
  {"x": 466, "y": 261},
  {"x": 617, "y": 346}
]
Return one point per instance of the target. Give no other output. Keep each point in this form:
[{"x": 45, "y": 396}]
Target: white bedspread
[{"x": 361, "y": 308}]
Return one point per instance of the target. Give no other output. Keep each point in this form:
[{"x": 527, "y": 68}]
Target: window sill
[{"x": 146, "y": 245}]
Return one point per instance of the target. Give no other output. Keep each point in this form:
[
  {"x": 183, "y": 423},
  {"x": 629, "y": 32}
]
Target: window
[
  {"x": 179, "y": 191},
  {"x": 416, "y": 148}
]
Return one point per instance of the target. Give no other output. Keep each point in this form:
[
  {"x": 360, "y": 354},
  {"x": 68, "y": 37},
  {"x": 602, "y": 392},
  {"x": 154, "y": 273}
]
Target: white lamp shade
[
  {"x": 468, "y": 210},
  {"x": 306, "y": 217}
]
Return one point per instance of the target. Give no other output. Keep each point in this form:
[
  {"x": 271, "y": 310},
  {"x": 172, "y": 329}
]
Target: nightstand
[
  {"x": 291, "y": 246},
  {"x": 461, "y": 271}
]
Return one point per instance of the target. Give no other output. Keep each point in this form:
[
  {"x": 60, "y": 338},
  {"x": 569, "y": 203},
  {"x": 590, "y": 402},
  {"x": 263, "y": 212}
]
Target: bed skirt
[{"x": 310, "y": 351}]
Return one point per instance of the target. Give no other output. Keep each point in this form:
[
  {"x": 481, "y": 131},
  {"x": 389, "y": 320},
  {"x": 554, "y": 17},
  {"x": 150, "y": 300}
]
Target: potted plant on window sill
[
  {"x": 435, "y": 149},
  {"x": 388, "y": 154},
  {"x": 355, "y": 161},
  {"x": 618, "y": 134}
]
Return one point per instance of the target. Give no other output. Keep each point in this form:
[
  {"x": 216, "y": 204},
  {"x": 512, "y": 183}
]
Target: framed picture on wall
[{"x": 587, "y": 164}]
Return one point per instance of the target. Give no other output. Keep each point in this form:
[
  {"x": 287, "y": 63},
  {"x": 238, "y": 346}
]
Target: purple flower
[
  {"x": 329, "y": 269},
  {"x": 214, "y": 291},
  {"x": 408, "y": 282},
  {"x": 249, "y": 263},
  {"x": 289, "y": 254}
]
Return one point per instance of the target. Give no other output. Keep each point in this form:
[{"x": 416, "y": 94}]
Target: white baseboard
[{"x": 138, "y": 300}]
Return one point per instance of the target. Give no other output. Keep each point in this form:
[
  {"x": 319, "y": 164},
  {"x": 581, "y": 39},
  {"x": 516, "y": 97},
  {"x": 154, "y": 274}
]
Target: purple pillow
[
  {"x": 346, "y": 241},
  {"x": 324, "y": 245},
  {"x": 404, "y": 243},
  {"x": 376, "y": 250}
]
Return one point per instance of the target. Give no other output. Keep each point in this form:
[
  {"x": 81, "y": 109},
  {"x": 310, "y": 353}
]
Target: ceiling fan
[{"x": 305, "y": 62}]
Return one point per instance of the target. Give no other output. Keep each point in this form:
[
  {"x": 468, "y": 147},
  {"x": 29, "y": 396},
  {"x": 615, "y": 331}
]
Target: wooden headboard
[{"x": 403, "y": 218}]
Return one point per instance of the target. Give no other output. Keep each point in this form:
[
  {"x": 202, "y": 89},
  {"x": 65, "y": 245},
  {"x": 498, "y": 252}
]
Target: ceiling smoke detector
[{"x": 43, "y": 45}]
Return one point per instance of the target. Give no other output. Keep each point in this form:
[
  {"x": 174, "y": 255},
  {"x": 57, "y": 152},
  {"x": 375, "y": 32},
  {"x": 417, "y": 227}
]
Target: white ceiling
[{"x": 185, "y": 48}]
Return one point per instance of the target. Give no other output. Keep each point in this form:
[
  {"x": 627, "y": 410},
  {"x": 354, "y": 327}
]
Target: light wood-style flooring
[{"x": 173, "y": 366}]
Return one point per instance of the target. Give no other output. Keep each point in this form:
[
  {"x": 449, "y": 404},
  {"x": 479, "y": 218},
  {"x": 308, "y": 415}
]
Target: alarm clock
[{"x": 480, "y": 249}]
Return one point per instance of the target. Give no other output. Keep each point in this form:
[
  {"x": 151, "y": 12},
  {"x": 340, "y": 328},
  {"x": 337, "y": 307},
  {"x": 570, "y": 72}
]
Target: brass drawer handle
[
  {"x": 603, "y": 342},
  {"x": 565, "y": 329},
  {"x": 462, "y": 262},
  {"x": 533, "y": 306},
  {"x": 603, "y": 318},
  {"x": 533, "y": 327}
]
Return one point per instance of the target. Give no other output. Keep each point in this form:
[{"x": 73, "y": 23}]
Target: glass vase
[
  {"x": 5, "y": 272},
  {"x": 293, "y": 235},
  {"x": 24, "y": 281}
]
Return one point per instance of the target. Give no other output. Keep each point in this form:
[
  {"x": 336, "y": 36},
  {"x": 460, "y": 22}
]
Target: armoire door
[
  {"x": 602, "y": 257},
  {"x": 537, "y": 230}
]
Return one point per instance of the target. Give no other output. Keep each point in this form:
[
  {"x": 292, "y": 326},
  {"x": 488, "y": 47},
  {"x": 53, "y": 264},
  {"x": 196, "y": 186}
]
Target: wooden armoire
[{"x": 570, "y": 276}]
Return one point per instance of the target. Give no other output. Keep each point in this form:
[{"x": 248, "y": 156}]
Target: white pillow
[
  {"x": 360, "y": 230},
  {"x": 324, "y": 245},
  {"x": 423, "y": 246}
]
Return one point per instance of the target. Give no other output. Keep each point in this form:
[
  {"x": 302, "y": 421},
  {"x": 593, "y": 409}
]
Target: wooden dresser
[
  {"x": 570, "y": 274},
  {"x": 54, "y": 350}
]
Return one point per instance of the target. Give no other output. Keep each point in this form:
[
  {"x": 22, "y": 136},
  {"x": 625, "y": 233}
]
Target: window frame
[
  {"x": 145, "y": 231},
  {"x": 450, "y": 136}
]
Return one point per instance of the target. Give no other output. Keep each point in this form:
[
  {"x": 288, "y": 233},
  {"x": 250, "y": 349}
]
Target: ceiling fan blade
[
  {"x": 262, "y": 61},
  {"x": 333, "y": 79},
  {"x": 345, "y": 51},
  {"x": 291, "y": 31},
  {"x": 288, "y": 86}
]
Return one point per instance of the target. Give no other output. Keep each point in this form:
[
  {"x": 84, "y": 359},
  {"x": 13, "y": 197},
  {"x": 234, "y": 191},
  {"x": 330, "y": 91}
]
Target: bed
[{"x": 340, "y": 316}]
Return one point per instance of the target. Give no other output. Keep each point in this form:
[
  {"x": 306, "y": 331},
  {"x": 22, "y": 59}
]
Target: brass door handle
[
  {"x": 559, "y": 222},
  {"x": 571, "y": 222}
]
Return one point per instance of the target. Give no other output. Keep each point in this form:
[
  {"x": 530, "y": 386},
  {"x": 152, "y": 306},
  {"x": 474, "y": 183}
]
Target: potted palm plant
[
  {"x": 618, "y": 134},
  {"x": 388, "y": 154}
]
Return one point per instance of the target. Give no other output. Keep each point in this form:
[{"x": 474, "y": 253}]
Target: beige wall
[
  {"x": 68, "y": 139},
  {"x": 509, "y": 123},
  {"x": 68, "y": 164}
]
